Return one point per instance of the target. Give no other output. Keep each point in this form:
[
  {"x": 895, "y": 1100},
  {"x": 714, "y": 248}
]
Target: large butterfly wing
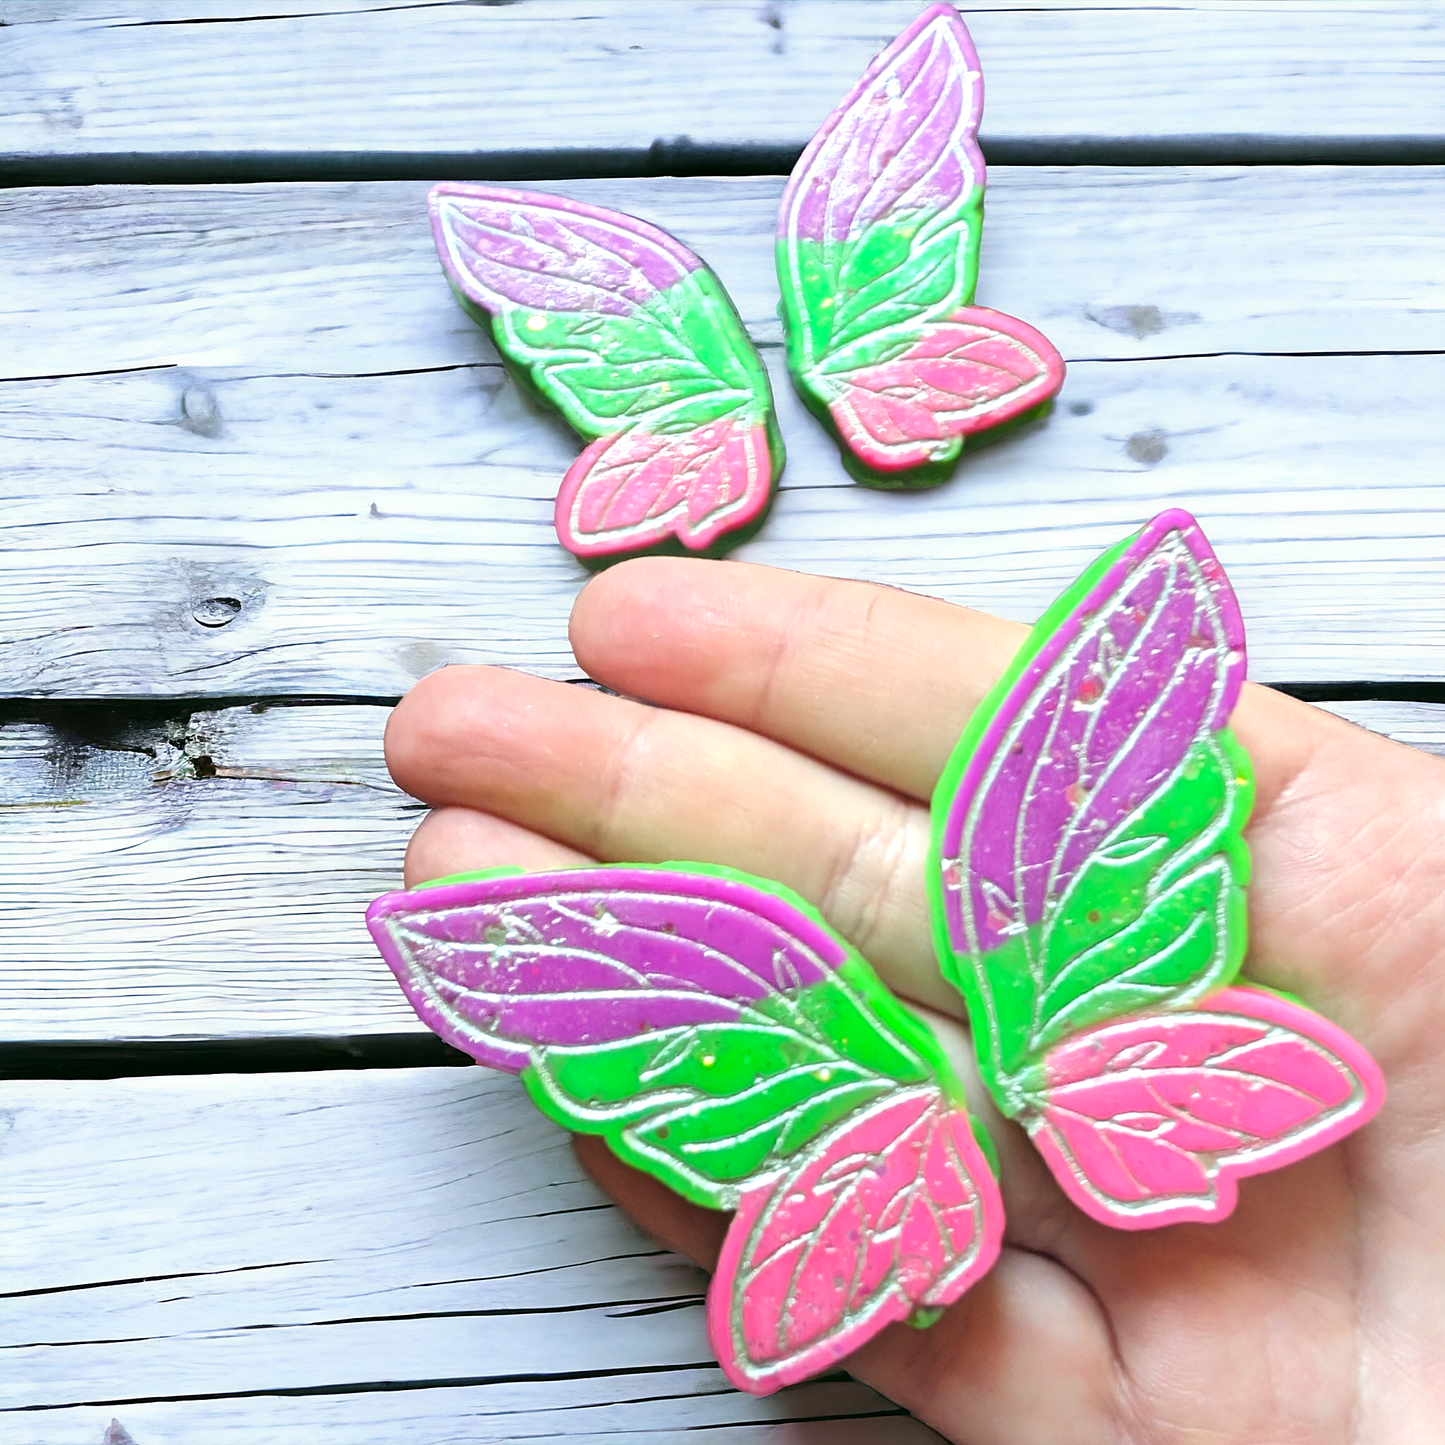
[
  {"x": 718, "y": 1034},
  {"x": 1150, "y": 1120},
  {"x": 877, "y": 258},
  {"x": 634, "y": 340},
  {"x": 1088, "y": 859},
  {"x": 888, "y": 1216}
]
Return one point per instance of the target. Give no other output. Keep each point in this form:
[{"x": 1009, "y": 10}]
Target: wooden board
[
  {"x": 230, "y": 906},
  {"x": 322, "y": 482},
  {"x": 141, "y": 901},
  {"x": 661, "y": 82},
  {"x": 1114, "y": 263},
  {"x": 1417, "y": 724},
  {"x": 385, "y": 1255},
  {"x": 346, "y": 536}
]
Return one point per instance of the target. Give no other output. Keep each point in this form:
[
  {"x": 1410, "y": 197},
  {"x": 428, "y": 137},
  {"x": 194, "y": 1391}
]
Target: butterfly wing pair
[
  {"x": 1087, "y": 877},
  {"x": 717, "y": 1033},
  {"x": 634, "y": 340}
]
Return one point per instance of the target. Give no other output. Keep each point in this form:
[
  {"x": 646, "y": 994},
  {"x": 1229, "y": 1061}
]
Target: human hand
[{"x": 799, "y": 726}]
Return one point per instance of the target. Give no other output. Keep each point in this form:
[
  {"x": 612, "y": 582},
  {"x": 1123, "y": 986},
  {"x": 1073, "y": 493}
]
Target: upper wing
[
  {"x": 879, "y": 224},
  {"x": 1149, "y": 1120},
  {"x": 877, "y": 257},
  {"x": 1088, "y": 859},
  {"x": 626, "y": 332},
  {"x": 709, "y": 1026}
]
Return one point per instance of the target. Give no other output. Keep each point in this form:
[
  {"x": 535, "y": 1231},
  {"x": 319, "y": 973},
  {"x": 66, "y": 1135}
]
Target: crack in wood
[
  {"x": 615, "y": 1309},
  {"x": 156, "y": 1278},
  {"x": 363, "y": 1387}
]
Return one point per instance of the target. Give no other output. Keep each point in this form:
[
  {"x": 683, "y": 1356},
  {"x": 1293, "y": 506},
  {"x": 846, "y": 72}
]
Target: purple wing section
[
  {"x": 498, "y": 965},
  {"x": 1148, "y": 662},
  {"x": 506, "y": 248},
  {"x": 904, "y": 139}
]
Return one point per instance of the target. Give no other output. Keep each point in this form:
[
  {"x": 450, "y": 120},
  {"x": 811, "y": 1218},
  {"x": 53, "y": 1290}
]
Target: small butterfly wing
[
  {"x": 1150, "y": 1120},
  {"x": 877, "y": 258},
  {"x": 634, "y": 340},
  {"x": 892, "y": 1213},
  {"x": 1088, "y": 859},
  {"x": 717, "y": 1033}
]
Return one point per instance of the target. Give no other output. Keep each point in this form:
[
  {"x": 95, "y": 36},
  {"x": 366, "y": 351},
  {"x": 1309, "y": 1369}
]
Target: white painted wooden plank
[
  {"x": 231, "y": 905},
  {"x": 209, "y": 1237},
  {"x": 1419, "y": 724},
  {"x": 539, "y": 76},
  {"x": 622, "y": 1415},
  {"x": 350, "y": 534},
  {"x": 334, "y": 278},
  {"x": 141, "y": 901}
]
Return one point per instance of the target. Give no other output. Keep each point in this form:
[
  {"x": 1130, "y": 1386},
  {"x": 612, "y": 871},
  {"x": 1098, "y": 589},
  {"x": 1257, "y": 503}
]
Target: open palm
[{"x": 797, "y": 729}]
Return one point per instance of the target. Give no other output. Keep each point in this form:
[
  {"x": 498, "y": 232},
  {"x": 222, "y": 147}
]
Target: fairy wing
[
  {"x": 877, "y": 258},
  {"x": 1088, "y": 859},
  {"x": 719, "y": 1035},
  {"x": 1150, "y": 1120},
  {"x": 626, "y": 332},
  {"x": 1088, "y": 891}
]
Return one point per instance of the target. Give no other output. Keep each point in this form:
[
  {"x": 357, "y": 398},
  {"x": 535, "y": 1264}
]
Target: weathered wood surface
[
  {"x": 250, "y": 446},
  {"x": 311, "y": 497},
  {"x": 1417, "y": 724},
  {"x": 225, "y": 906},
  {"x": 368, "y": 1257},
  {"x": 311, "y": 545},
  {"x": 138, "y": 900},
  {"x": 1121, "y": 263},
  {"x": 526, "y": 84}
]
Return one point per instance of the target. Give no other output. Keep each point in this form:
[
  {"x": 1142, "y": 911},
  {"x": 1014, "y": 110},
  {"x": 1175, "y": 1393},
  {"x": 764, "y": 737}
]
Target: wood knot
[{"x": 216, "y": 611}]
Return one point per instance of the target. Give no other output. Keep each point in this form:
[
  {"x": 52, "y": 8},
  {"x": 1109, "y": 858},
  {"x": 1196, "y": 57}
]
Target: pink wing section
[
  {"x": 894, "y": 1211},
  {"x": 1150, "y": 1120},
  {"x": 637, "y": 489},
  {"x": 978, "y": 370},
  {"x": 902, "y": 141}
]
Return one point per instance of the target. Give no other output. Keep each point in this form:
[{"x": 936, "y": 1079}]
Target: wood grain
[
  {"x": 1113, "y": 263},
  {"x": 415, "y": 1254},
  {"x": 347, "y": 535},
  {"x": 296, "y": 495},
  {"x": 504, "y": 84},
  {"x": 178, "y": 906},
  {"x": 230, "y": 905},
  {"x": 1417, "y": 724}
]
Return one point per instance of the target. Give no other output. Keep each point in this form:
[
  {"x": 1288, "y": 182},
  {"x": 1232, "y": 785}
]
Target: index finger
[{"x": 874, "y": 680}]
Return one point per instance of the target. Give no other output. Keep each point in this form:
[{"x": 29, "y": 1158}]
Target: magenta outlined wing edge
[
  {"x": 498, "y": 965},
  {"x": 808, "y": 209},
  {"x": 1152, "y": 1120},
  {"x": 1079, "y": 604},
  {"x": 893, "y": 1213}
]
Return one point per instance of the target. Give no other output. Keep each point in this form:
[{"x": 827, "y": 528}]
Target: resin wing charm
[
  {"x": 634, "y": 340},
  {"x": 716, "y": 1033},
  {"x": 1088, "y": 895},
  {"x": 877, "y": 258}
]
